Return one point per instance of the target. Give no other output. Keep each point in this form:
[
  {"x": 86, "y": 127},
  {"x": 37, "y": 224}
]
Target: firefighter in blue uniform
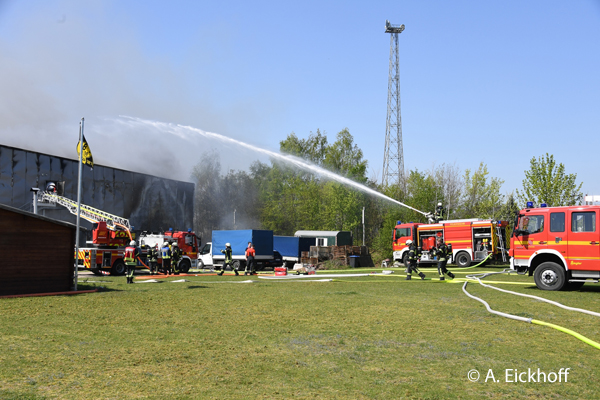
[
  {"x": 412, "y": 258},
  {"x": 132, "y": 253},
  {"x": 442, "y": 252}
]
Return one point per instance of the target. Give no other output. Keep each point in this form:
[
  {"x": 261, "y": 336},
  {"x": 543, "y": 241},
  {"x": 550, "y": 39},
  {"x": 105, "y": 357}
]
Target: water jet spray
[{"x": 185, "y": 132}]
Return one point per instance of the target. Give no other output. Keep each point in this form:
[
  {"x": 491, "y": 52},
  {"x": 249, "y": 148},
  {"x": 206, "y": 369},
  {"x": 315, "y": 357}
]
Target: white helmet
[
  {"x": 132, "y": 243},
  {"x": 175, "y": 244},
  {"x": 409, "y": 242},
  {"x": 227, "y": 244}
]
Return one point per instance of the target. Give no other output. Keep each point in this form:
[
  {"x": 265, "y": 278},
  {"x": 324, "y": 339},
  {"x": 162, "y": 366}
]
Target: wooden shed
[{"x": 37, "y": 253}]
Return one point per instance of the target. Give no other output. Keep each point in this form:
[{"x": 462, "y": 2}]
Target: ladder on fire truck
[
  {"x": 113, "y": 222},
  {"x": 501, "y": 242}
]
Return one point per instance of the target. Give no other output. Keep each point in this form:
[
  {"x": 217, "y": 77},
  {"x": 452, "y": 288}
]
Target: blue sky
[{"x": 498, "y": 82}]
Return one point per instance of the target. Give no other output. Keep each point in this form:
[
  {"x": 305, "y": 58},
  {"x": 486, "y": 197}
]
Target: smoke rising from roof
[{"x": 59, "y": 64}]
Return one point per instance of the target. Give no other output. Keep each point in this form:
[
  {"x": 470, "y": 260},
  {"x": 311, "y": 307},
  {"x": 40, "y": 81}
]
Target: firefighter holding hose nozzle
[
  {"x": 413, "y": 256},
  {"x": 439, "y": 213}
]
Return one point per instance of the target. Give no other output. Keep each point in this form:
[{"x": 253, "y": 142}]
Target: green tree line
[{"x": 285, "y": 199}]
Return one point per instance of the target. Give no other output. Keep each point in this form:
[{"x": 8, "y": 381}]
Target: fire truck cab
[
  {"x": 559, "y": 246},
  {"x": 188, "y": 242},
  {"x": 471, "y": 240}
]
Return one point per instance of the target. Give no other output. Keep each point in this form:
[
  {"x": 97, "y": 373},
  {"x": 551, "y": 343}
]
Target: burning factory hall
[{"x": 149, "y": 203}]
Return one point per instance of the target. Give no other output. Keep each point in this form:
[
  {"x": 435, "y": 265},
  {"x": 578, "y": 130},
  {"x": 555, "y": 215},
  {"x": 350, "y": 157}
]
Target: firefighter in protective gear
[
  {"x": 442, "y": 252},
  {"x": 228, "y": 259},
  {"x": 250, "y": 254},
  {"x": 153, "y": 259},
  {"x": 132, "y": 253},
  {"x": 165, "y": 252},
  {"x": 413, "y": 256},
  {"x": 51, "y": 187},
  {"x": 175, "y": 257},
  {"x": 439, "y": 212}
]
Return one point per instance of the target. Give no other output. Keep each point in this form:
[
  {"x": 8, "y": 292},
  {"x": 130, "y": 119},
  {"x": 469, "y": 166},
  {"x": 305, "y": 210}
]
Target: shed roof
[
  {"x": 43, "y": 218},
  {"x": 316, "y": 233}
]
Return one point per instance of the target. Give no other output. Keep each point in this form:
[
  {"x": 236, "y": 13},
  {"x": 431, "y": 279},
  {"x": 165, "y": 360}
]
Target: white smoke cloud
[{"x": 66, "y": 61}]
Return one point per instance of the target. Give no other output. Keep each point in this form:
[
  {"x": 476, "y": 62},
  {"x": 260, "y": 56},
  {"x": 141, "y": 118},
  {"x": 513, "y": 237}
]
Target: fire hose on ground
[
  {"x": 460, "y": 269},
  {"x": 478, "y": 278}
]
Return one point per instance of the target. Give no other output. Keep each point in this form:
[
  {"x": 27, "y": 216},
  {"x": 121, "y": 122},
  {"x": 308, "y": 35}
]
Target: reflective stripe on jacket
[
  {"x": 228, "y": 254},
  {"x": 131, "y": 254}
]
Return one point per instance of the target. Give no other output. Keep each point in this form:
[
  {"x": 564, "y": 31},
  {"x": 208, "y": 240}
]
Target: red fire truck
[
  {"x": 108, "y": 249},
  {"x": 559, "y": 246},
  {"x": 187, "y": 242},
  {"x": 471, "y": 240},
  {"x": 111, "y": 235}
]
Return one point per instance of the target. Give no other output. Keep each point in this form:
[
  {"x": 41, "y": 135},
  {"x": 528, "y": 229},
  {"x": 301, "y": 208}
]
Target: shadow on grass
[
  {"x": 197, "y": 287},
  {"x": 101, "y": 288},
  {"x": 587, "y": 288}
]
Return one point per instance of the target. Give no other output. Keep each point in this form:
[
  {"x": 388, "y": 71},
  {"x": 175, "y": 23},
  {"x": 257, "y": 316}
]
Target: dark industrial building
[
  {"x": 149, "y": 202},
  {"x": 44, "y": 261}
]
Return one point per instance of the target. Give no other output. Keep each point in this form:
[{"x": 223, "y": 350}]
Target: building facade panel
[{"x": 150, "y": 203}]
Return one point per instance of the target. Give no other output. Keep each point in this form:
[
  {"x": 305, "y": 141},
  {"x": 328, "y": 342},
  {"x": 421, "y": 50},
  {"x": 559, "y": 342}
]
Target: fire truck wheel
[
  {"x": 184, "y": 266},
  {"x": 549, "y": 276},
  {"x": 463, "y": 259},
  {"x": 118, "y": 268}
]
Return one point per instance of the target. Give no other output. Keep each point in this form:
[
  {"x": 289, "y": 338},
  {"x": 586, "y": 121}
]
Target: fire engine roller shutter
[{"x": 459, "y": 235}]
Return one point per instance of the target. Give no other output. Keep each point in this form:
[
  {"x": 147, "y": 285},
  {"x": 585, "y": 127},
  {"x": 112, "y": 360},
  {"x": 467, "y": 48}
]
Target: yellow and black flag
[{"x": 86, "y": 158}]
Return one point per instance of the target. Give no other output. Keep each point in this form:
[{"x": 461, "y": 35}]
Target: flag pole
[{"x": 78, "y": 204}]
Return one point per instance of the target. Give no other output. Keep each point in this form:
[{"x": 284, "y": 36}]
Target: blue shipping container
[
  {"x": 262, "y": 240},
  {"x": 292, "y": 246}
]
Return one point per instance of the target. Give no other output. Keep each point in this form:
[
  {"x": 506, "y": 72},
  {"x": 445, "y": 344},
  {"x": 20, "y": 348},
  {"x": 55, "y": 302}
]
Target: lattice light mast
[{"x": 393, "y": 158}]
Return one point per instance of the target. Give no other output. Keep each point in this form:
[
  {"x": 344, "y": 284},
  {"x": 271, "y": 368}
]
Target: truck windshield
[
  {"x": 402, "y": 232},
  {"x": 205, "y": 249},
  {"x": 530, "y": 224}
]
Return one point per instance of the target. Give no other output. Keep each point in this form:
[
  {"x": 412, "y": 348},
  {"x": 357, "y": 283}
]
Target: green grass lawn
[{"x": 374, "y": 337}]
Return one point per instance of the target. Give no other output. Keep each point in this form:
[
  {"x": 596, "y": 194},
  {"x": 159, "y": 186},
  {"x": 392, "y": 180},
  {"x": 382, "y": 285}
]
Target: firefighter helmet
[
  {"x": 409, "y": 242},
  {"x": 175, "y": 244},
  {"x": 132, "y": 243},
  {"x": 227, "y": 244}
]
